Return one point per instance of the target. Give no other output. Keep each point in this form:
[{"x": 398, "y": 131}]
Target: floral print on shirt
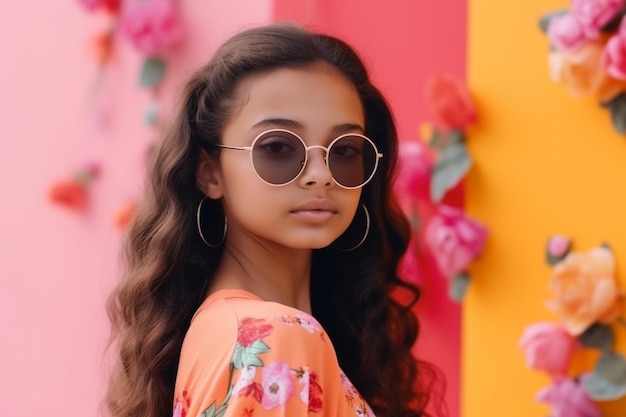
[{"x": 278, "y": 381}]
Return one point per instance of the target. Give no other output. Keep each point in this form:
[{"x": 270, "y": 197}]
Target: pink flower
[
  {"x": 150, "y": 25},
  {"x": 548, "y": 347},
  {"x": 277, "y": 383},
  {"x": 416, "y": 163},
  {"x": 566, "y": 33},
  {"x": 614, "y": 58},
  {"x": 112, "y": 6},
  {"x": 568, "y": 399},
  {"x": 593, "y": 15},
  {"x": 558, "y": 246},
  {"x": 454, "y": 239}
]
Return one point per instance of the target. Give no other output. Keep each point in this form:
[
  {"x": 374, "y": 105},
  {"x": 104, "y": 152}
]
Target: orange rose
[
  {"x": 585, "y": 290},
  {"x": 582, "y": 72}
]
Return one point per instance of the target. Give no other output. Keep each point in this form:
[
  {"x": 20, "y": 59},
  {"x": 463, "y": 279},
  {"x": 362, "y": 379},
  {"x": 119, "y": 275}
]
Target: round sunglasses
[{"x": 279, "y": 156}]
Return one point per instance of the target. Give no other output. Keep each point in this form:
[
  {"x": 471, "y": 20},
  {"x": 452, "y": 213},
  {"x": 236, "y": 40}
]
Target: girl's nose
[{"x": 316, "y": 171}]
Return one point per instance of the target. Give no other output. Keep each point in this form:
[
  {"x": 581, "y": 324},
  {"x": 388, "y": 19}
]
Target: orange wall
[{"x": 545, "y": 163}]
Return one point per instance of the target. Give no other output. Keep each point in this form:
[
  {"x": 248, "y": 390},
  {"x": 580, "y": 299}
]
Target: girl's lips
[{"x": 314, "y": 216}]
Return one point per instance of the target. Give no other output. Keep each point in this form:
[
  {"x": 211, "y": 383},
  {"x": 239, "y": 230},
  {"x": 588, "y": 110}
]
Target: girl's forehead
[{"x": 314, "y": 94}]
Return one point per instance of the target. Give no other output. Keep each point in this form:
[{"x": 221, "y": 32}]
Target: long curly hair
[{"x": 168, "y": 268}]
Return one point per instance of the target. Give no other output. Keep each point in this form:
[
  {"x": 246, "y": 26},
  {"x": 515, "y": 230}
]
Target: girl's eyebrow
[{"x": 294, "y": 124}]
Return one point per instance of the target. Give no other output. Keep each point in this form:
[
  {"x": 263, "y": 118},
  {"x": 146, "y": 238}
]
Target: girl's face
[{"x": 317, "y": 103}]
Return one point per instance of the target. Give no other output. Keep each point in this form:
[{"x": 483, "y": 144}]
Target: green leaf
[
  {"x": 617, "y": 107},
  {"x": 237, "y": 360},
  {"x": 600, "y": 389},
  {"x": 250, "y": 359},
  {"x": 454, "y": 162},
  {"x": 458, "y": 286},
  {"x": 257, "y": 347},
  {"x": 598, "y": 336},
  {"x": 152, "y": 72},
  {"x": 151, "y": 113},
  {"x": 209, "y": 412},
  {"x": 221, "y": 411},
  {"x": 544, "y": 21},
  {"x": 612, "y": 367}
]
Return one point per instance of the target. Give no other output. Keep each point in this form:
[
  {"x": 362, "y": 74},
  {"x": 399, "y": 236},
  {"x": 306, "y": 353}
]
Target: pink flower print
[
  {"x": 246, "y": 377},
  {"x": 309, "y": 323},
  {"x": 311, "y": 393},
  {"x": 286, "y": 320},
  {"x": 178, "y": 410},
  {"x": 150, "y": 25},
  {"x": 277, "y": 383},
  {"x": 252, "y": 329},
  {"x": 351, "y": 392}
]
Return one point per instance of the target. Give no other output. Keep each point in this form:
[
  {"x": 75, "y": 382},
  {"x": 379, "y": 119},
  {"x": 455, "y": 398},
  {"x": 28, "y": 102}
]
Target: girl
[{"x": 261, "y": 267}]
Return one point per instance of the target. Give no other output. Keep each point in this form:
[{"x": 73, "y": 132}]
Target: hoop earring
[
  {"x": 199, "y": 224},
  {"x": 367, "y": 231}
]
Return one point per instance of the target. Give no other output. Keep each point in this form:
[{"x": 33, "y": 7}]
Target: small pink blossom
[
  {"x": 614, "y": 57},
  {"x": 309, "y": 323},
  {"x": 566, "y": 33},
  {"x": 246, "y": 378},
  {"x": 559, "y": 245},
  {"x": 150, "y": 25},
  {"x": 568, "y": 398},
  {"x": 548, "y": 347},
  {"x": 593, "y": 15},
  {"x": 278, "y": 385},
  {"x": 454, "y": 239}
]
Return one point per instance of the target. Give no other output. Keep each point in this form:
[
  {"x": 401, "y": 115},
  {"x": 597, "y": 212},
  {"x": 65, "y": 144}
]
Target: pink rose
[
  {"x": 548, "y": 347},
  {"x": 450, "y": 101},
  {"x": 568, "y": 399},
  {"x": 277, "y": 383},
  {"x": 150, "y": 25},
  {"x": 614, "y": 58},
  {"x": 454, "y": 239},
  {"x": 593, "y": 15},
  {"x": 416, "y": 162},
  {"x": 566, "y": 33}
]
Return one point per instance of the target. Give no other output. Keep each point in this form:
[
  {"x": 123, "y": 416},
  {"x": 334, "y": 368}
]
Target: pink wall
[
  {"x": 402, "y": 44},
  {"x": 57, "y": 267}
]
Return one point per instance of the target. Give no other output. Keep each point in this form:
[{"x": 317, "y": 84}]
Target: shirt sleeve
[{"x": 238, "y": 361}]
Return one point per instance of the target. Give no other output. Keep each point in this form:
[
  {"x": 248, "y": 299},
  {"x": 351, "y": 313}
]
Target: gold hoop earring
[
  {"x": 367, "y": 231},
  {"x": 199, "y": 224}
]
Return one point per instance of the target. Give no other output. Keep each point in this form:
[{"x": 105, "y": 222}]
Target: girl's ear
[{"x": 208, "y": 175}]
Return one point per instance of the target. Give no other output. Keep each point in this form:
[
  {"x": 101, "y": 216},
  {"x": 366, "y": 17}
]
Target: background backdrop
[{"x": 56, "y": 266}]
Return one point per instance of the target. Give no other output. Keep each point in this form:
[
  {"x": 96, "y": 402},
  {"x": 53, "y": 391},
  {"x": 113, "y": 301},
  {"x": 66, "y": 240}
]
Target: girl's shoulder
[{"x": 238, "y": 312}]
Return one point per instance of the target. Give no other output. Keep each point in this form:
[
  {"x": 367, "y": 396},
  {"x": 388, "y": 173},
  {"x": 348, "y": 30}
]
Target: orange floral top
[{"x": 245, "y": 357}]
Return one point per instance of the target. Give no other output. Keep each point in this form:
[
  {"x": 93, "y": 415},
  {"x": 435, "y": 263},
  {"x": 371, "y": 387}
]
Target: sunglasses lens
[
  {"x": 352, "y": 160},
  {"x": 278, "y": 157}
]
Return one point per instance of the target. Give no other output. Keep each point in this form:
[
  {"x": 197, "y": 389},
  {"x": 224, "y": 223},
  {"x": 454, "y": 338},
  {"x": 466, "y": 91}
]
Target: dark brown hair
[{"x": 168, "y": 267}]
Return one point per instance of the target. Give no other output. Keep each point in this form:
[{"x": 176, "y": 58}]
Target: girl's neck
[{"x": 272, "y": 273}]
